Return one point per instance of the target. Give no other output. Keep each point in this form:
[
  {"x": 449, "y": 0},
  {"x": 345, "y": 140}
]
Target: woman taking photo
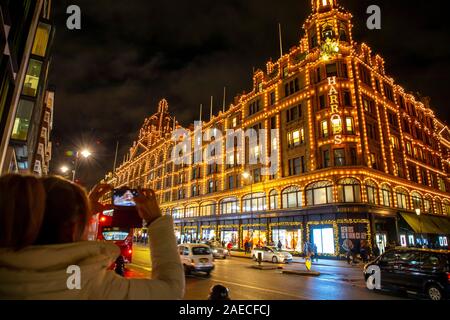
[{"x": 43, "y": 228}]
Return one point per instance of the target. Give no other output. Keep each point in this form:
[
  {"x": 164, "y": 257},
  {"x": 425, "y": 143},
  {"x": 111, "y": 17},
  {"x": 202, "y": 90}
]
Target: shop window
[
  {"x": 291, "y": 198},
  {"x": 323, "y": 238},
  {"x": 386, "y": 194},
  {"x": 41, "y": 39},
  {"x": 372, "y": 193},
  {"x": 347, "y": 98},
  {"x": 22, "y": 120},
  {"x": 31, "y": 83},
  {"x": 349, "y": 190},
  {"x": 326, "y": 159},
  {"x": 319, "y": 193},
  {"x": 291, "y": 240}
]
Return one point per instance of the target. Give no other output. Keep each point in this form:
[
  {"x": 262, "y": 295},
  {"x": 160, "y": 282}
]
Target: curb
[
  {"x": 300, "y": 262},
  {"x": 302, "y": 273}
]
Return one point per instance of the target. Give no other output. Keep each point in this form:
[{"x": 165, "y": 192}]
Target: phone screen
[{"x": 124, "y": 197}]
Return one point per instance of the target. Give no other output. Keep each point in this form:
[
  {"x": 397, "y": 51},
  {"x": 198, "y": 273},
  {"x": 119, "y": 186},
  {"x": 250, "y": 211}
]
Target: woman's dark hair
[
  {"x": 67, "y": 212},
  {"x": 219, "y": 293},
  {"x": 22, "y": 203}
]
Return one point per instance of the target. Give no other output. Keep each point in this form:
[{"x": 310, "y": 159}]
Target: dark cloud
[{"x": 110, "y": 75}]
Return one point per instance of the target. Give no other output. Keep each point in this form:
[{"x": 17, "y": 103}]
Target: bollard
[{"x": 259, "y": 258}]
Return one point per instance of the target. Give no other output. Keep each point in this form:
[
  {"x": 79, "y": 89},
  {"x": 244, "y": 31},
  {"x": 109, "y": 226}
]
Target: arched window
[
  {"x": 229, "y": 206},
  {"x": 208, "y": 209},
  {"x": 386, "y": 195},
  {"x": 191, "y": 211},
  {"x": 177, "y": 213},
  {"x": 417, "y": 201},
  {"x": 343, "y": 36},
  {"x": 447, "y": 207},
  {"x": 291, "y": 198},
  {"x": 273, "y": 200},
  {"x": 349, "y": 190},
  {"x": 427, "y": 205},
  {"x": 402, "y": 198},
  {"x": 438, "y": 204},
  {"x": 327, "y": 32},
  {"x": 372, "y": 192},
  {"x": 319, "y": 193},
  {"x": 254, "y": 202}
]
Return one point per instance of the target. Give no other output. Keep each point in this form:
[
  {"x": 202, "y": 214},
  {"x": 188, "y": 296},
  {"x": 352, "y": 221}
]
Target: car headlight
[
  {"x": 215, "y": 251},
  {"x": 225, "y": 251}
]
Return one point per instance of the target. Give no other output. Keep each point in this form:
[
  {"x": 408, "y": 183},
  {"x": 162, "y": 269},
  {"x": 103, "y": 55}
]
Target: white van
[{"x": 196, "y": 257}]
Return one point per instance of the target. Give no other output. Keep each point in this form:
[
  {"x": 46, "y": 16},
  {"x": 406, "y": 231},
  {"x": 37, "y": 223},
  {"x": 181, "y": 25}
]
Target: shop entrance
[
  {"x": 227, "y": 237},
  {"x": 257, "y": 238}
]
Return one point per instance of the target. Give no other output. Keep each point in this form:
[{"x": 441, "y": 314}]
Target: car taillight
[
  {"x": 129, "y": 251},
  {"x": 448, "y": 277}
]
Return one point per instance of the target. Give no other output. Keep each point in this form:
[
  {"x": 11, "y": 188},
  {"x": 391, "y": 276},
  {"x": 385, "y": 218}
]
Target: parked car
[
  {"x": 196, "y": 257},
  {"x": 423, "y": 271},
  {"x": 272, "y": 254}
]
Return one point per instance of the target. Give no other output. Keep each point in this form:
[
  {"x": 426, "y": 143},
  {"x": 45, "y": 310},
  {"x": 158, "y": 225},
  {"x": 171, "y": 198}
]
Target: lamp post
[
  {"x": 85, "y": 153},
  {"x": 418, "y": 212}
]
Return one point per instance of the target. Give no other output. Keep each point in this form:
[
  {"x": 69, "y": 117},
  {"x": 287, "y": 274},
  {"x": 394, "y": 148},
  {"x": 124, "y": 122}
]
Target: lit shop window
[
  {"x": 324, "y": 240},
  {"x": 403, "y": 240},
  {"x": 22, "y": 121},
  {"x": 296, "y": 137},
  {"x": 41, "y": 39},
  {"x": 32, "y": 77},
  {"x": 208, "y": 209}
]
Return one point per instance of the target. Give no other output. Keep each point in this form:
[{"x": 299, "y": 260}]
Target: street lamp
[
  {"x": 64, "y": 169},
  {"x": 85, "y": 153}
]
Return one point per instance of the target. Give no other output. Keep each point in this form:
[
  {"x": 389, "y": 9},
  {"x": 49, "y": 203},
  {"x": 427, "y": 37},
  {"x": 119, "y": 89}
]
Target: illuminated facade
[{"x": 359, "y": 158}]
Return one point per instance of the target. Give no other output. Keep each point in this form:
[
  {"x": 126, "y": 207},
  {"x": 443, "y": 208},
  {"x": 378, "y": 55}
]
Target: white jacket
[{"x": 40, "y": 272}]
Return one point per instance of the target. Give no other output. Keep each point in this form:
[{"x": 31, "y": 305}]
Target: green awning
[
  {"x": 427, "y": 224},
  {"x": 442, "y": 223}
]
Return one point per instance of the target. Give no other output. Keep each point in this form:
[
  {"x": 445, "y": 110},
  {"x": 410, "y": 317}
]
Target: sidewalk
[{"x": 322, "y": 262}]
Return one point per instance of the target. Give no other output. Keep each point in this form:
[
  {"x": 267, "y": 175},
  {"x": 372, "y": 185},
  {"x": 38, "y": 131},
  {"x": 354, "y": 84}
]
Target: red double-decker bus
[{"x": 102, "y": 228}]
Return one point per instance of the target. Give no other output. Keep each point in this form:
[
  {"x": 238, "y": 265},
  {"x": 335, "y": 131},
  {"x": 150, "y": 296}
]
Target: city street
[{"x": 246, "y": 283}]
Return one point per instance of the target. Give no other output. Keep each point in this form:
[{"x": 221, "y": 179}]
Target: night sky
[{"x": 129, "y": 54}]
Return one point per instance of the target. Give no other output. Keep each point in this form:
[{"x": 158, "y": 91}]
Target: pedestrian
[
  {"x": 229, "y": 246},
  {"x": 348, "y": 246},
  {"x": 246, "y": 246},
  {"x": 43, "y": 228},
  {"x": 364, "y": 251},
  {"x": 280, "y": 245},
  {"x": 306, "y": 249},
  {"x": 314, "y": 255}
]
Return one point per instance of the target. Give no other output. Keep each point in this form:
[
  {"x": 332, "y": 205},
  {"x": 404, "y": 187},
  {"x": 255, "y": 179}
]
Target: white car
[
  {"x": 196, "y": 257},
  {"x": 271, "y": 254}
]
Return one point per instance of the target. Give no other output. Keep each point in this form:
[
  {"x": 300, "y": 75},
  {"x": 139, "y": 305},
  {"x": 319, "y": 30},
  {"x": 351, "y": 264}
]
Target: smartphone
[{"x": 124, "y": 197}]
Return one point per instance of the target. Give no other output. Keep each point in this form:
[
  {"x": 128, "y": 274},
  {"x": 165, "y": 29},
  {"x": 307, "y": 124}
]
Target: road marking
[
  {"x": 140, "y": 267},
  {"x": 261, "y": 289}
]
